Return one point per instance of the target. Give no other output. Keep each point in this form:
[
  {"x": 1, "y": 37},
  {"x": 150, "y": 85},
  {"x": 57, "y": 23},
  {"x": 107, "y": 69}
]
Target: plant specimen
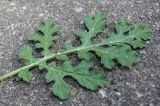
[{"x": 119, "y": 45}]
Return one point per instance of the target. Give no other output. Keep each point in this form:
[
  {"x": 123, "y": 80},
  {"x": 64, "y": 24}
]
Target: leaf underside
[{"x": 119, "y": 46}]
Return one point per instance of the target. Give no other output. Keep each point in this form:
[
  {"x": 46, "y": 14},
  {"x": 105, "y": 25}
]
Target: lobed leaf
[
  {"x": 80, "y": 73},
  {"x": 117, "y": 46},
  {"x": 134, "y": 35},
  {"x": 25, "y": 75},
  {"x": 26, "y": 54},
  {"x": 123, "y": 54},
  {"x": 48, "y": 28},
  {"x": 95, "y": 24},
  {"x": 118, "y": 43}
]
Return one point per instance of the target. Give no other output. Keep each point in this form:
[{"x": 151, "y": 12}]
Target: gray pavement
[{"x": 139, "y": 86}]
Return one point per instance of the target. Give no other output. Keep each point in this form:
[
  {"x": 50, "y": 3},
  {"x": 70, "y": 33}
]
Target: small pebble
[
  {"x": 41, "y": 15},
  {"x": 102, "y": 93},
  {"x": 12, "y": 4},
  {"x": 78, "y": 9},
  {"x": 24, "y": 8}
]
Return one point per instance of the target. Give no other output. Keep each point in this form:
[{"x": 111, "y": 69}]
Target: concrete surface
[{"x": 139, "y": 86}]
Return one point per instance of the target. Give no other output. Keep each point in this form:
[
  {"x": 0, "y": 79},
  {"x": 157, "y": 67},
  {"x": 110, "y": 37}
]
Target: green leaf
[
  {"x": 84, "y": 55},
  {"x": 80, "y": 73},
  {"x": 62, "y": 57},
  {"x": 134, "y": 35},
  {"x": 33, "y": 37},
  {"x": 26, "y": 54},
  {"x": 42, "y": 65},
  {"x": 25, "y": 75},
  {"x": 118, "y": 43},
  {"x": 48, "y": 28},
  {"x": 123, "y": 54},
  {"x": 91, "y": 81},
  {"x": 86, "y": 79},
  {"x": 95, "y": 24},
  {"x": 118, "y": 46},
  {"x": 61, "y": 89}
]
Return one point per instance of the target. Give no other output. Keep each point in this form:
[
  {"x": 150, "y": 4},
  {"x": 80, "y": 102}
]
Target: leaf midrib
[{"x": 56, "y": 54}]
